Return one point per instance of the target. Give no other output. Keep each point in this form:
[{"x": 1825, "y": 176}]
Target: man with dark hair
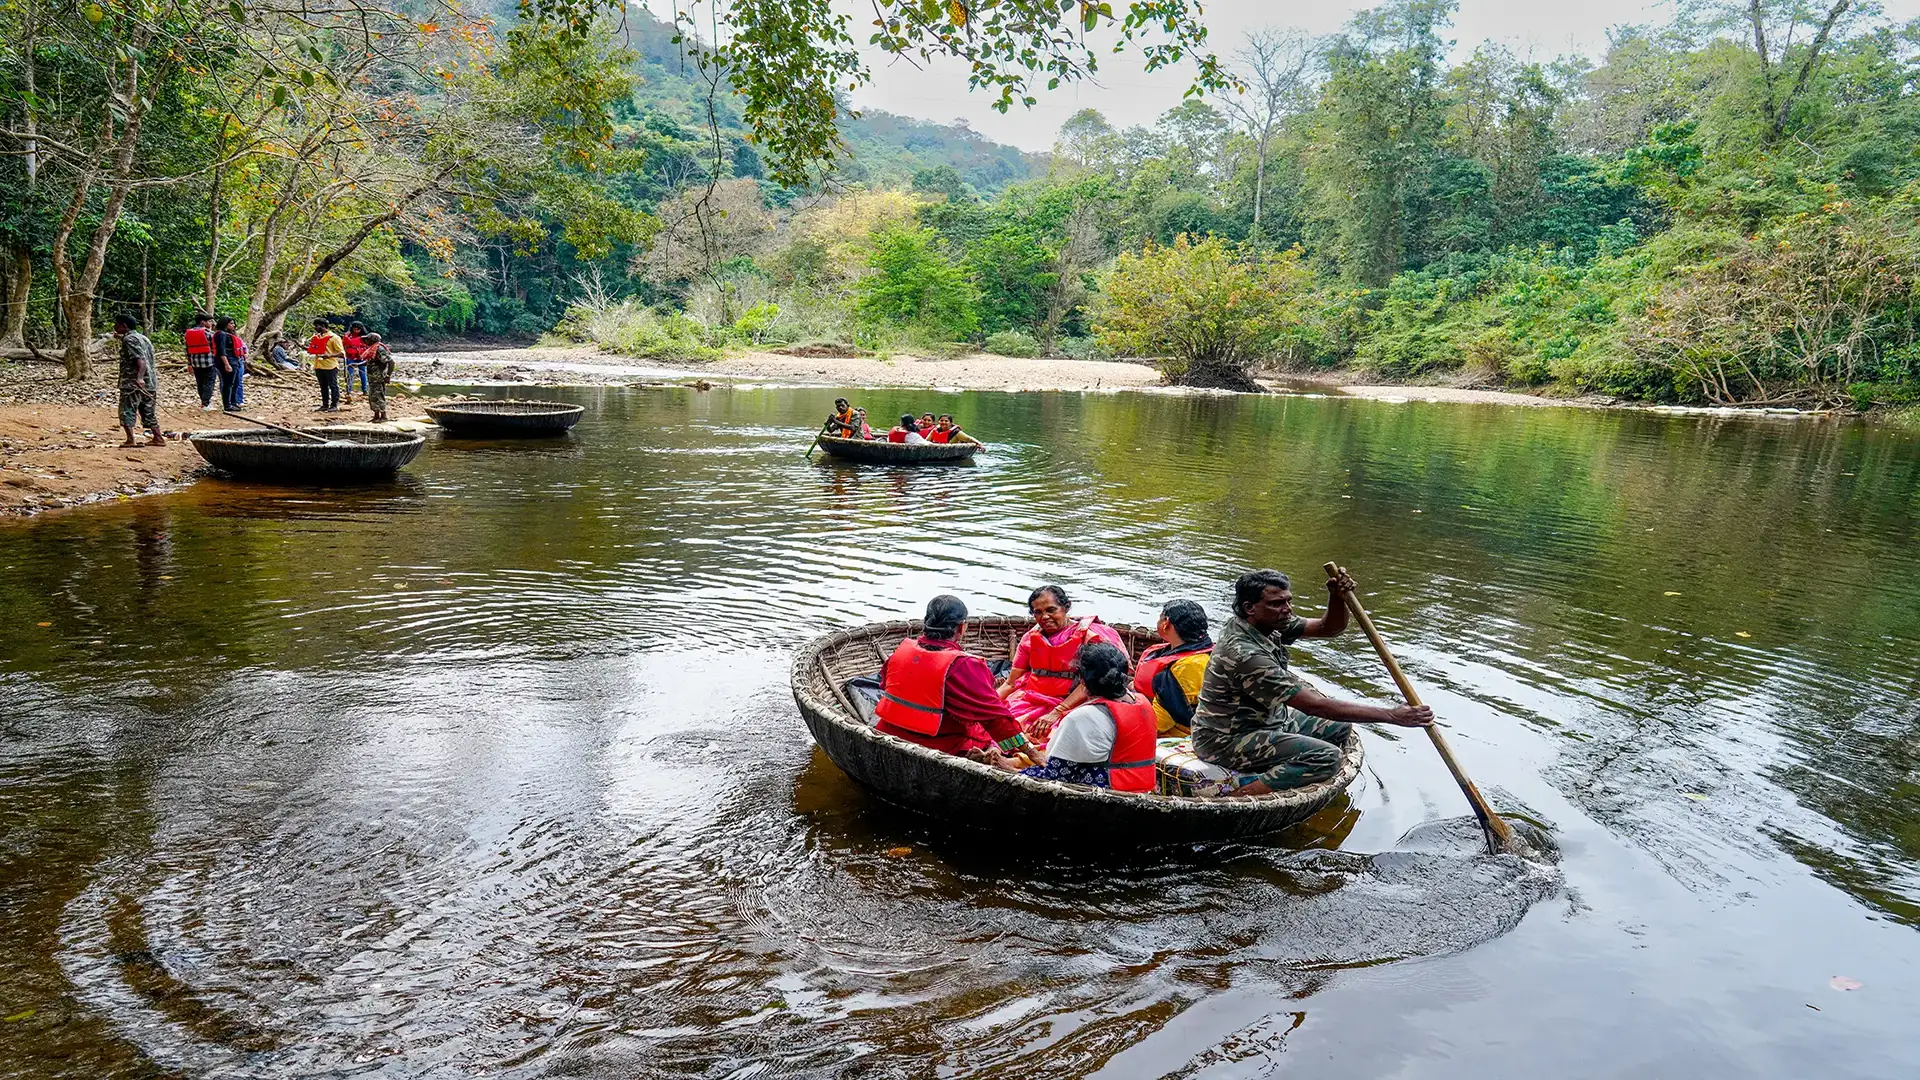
[
  {"x": 1255, "y": 715},
  {"x": 139, "y": 385},
  {"x": 1169, "y": 674},
  {"x": 199, "y": 342},
  {"x": 936, "y": 694}
]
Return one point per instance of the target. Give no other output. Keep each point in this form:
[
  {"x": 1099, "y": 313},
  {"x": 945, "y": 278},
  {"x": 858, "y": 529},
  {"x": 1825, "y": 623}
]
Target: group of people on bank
[
  {"x": 1075, "y": 708},
  {"x": 850, "y": 422},
  {"x": 217, "y": 357}
]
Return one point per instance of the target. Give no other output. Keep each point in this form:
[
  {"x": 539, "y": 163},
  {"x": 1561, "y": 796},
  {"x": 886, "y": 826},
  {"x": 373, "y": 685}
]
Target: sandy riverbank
[
  {"x": 550, "y": 365},
  {"x": 60, "y": 442}
]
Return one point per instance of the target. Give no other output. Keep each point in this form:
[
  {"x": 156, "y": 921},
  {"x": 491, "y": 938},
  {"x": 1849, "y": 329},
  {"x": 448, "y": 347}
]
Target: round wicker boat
[
  {"x": 348, "y": 452},
  {"x": 882, "y": 452},
  {"x": 506, "y": 417},
  {"x": 955, "y": 789}
]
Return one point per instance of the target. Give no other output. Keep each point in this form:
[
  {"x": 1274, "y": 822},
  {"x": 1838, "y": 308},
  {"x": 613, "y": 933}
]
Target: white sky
[{"x": 1536, "y": 29}]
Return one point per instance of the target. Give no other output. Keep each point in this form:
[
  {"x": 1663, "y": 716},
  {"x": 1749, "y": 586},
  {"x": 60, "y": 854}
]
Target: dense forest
[{"x": 1719, "y": 209}]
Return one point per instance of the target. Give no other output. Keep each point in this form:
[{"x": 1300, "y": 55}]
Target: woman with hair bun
[{"x": 1108, "y": 741}]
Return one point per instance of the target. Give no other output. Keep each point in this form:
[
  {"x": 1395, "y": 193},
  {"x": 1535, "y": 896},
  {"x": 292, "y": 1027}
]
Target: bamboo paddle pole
[
  {"x": 1500, "y": 837},
  {"x": 277, "y": 427}
]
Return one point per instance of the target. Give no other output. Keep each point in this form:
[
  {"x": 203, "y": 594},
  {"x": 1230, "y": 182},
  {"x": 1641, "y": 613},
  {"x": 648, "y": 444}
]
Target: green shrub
[
  {"x": 912, "y": 283},
  {"x": 1012, "y": 343},
  {"x": 1206, "y": 310},
  {"x": 1082, "y": 348},
  {"x": 632, "y": 329}
]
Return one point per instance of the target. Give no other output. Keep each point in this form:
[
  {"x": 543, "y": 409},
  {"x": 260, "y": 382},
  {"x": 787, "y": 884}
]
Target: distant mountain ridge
[{"x": 887, "y": 149}]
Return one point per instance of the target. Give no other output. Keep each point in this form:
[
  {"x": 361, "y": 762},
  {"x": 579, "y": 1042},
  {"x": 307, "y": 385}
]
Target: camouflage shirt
[
  {"x": 1247, "y": 685},
  {"x": 136, "y": 352}
]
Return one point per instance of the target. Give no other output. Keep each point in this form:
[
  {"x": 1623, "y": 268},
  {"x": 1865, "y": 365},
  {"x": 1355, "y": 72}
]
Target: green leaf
[{"x": 237, "y": 10}]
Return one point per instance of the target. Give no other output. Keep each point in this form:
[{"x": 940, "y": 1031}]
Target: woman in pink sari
[{"x": 1042, "y": 688}]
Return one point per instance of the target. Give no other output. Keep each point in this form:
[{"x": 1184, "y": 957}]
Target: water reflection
[{"x": 494, "y": 768}]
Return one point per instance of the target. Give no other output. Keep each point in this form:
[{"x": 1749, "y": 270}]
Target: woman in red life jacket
[
  {"x": 946, "y": 431},
  {"x": 199, "y": 341},
  {"x": 355, "y": 344},
  {"x": 935, "y": 694},
  {"x": 227, "y": 359},
  {"x": 1109, "y": 740},
  {"x": 1042, "y": 687},
  {"x": 1169, "y": 674},
  {"x": 908, "y": 432}
]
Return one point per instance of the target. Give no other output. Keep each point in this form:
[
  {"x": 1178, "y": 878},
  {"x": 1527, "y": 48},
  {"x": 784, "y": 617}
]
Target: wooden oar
[
  {"x": 277, "y": 427},
  {"x": 1500, "y": 836}
]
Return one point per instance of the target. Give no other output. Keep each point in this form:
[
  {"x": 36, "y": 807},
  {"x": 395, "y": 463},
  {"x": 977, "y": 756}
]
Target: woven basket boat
[
  {"x": 882, "y": 452},
  {"x": 954, "y": 789},
  {"x": 349, "y": 452},
  {"x": 506, "y": 417}
]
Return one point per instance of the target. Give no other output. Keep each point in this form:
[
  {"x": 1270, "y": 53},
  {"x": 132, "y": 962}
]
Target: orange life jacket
[
  {"x": 1050, "y": 667},
  {"x": 936, "y": 435},
  {"x": 1155, "y": 660},
  {"x": 1131, "y": 765},
  {"x": 915, "y": 679},
  {"x": 317, "y": 344},
  {"x": 199, "y": 342}
]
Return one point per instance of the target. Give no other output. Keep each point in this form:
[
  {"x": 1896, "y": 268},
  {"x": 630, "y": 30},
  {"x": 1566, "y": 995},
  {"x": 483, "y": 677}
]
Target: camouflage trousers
[
  {"x": 136, "y": 407},
  {"x": 377, "y": 395},
  {"x": 1296, "y": 751}
]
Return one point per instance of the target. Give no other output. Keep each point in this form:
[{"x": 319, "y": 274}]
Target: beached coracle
[
  {"x": 345, "y": 453},
  {"x": 881, "y": 452},
  {"x": 506, "y": 417},
  {"x": 973, "y": 795}
]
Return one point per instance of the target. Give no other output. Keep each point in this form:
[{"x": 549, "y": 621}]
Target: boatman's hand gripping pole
[{"x": 1500, "y": 836}]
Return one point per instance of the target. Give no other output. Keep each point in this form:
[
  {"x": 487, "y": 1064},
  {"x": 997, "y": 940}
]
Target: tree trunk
[
  {"x": 19, "y": 278},
  {"x": 213, "y": 244},
  {"x": 76, "y": 296},
  {"x": 1259, "y": 186}
]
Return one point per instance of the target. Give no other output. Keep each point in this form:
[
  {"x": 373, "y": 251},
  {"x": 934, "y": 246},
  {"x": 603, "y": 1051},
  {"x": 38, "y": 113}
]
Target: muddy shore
[{"x": 60, "y": 442}]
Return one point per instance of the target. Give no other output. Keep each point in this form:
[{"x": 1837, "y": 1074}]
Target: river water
[{"x": 493, "y": 770}]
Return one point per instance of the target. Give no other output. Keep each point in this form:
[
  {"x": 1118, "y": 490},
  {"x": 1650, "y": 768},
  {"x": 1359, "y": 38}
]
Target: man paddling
[
  {"x": 934, "y": 693},
  {"x": 1254, "y": 713}
]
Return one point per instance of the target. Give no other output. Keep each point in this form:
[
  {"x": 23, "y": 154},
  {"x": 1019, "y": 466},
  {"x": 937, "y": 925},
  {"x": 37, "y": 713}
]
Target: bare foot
[
  {"x": 157, "y": 440},
  {"x": 130, "y": 443}
]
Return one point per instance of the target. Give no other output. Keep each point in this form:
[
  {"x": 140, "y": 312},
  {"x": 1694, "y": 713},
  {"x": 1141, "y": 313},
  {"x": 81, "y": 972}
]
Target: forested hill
[{"x": 886, "y": 149}]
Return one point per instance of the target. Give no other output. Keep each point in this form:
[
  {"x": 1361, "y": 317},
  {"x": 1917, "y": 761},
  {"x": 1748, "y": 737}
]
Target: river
[{"x": 493, "y": 770}]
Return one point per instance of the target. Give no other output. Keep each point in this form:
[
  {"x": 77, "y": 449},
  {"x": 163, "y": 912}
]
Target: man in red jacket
[
  {"x": 199, "y": 341},
  {"x": 934, "y": 693}
]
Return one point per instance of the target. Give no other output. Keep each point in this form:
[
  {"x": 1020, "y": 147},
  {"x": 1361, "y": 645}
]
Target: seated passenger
[
  {"x": 908, "y": 432},
  {"x": 844, "y": 423},
  {"x": 937, "y": 695},
  {"x": 946, "y": 431},
  {"x": 860, "y": 417},
  {"x": 1254, "y": 713},
  {"x": 1169, "y": 674},
  {"x": 1107, "y": 742},
  {"x": 1042, "y": 686},
  {"x": 925, "y": 426}
]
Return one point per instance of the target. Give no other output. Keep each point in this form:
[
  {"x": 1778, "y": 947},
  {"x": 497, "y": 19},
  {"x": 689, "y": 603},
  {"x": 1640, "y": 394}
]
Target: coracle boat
[
  {"x": 882, "y": 452},
  {"x": 506, "y": 417},
  {"x": 955, "y": 789},
  {"x": 346, "y": 453}
]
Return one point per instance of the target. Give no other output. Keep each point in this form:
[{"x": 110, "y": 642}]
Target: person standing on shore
[
  {"x": 226, "y": 357},
  {"x": 199, "y": 341},
  {"x": 327, "y": 350},
  {"x": 379, "y": 365},
  {"x": 139, "y": 383},
  {"x": 356, "y": 345}
]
